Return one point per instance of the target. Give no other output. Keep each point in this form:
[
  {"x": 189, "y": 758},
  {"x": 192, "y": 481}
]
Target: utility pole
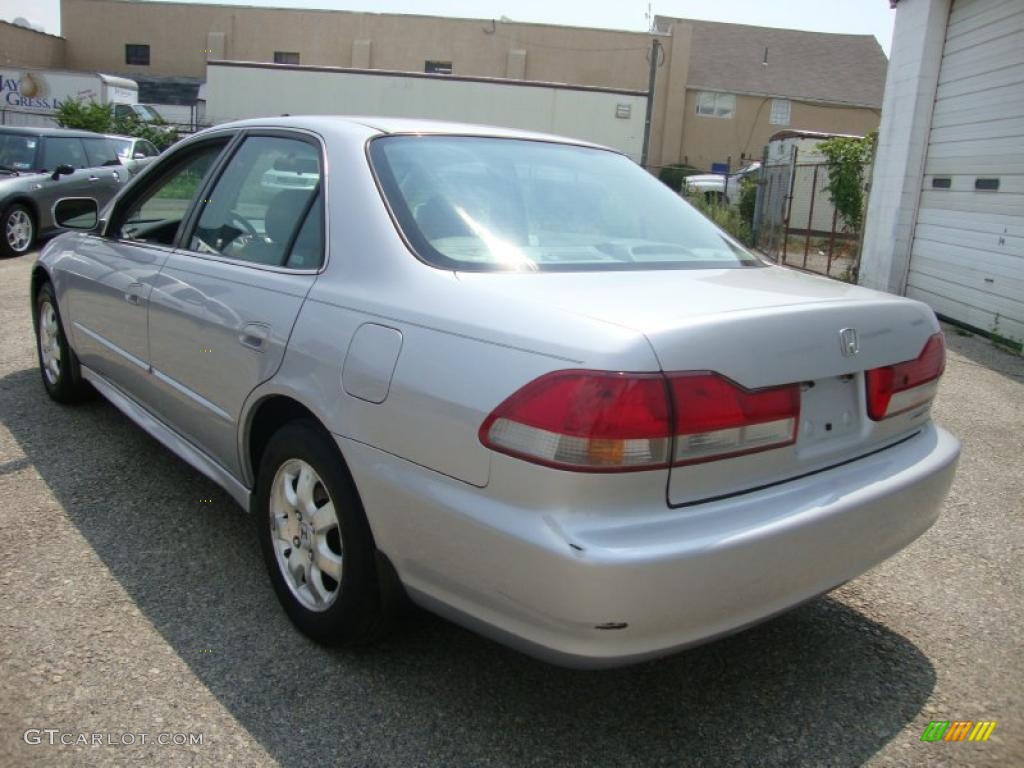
[{"x": 655, "y": 49}]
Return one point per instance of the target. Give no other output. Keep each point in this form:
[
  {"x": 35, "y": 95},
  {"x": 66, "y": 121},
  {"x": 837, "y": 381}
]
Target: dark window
[
  {"x": 63, "y": 151},
  {"x": 135, "y": 53},
  {"x": 286, "y": 57},
  {"x": 154, "y": 215},
  {"x": 941, "y": 182},
  {"x": 17, "y": 152},
  {"x": 145, "y": 149},
  {"x": 100, "y": 152},
  {"x": 992, "y": 184},
  {"x": 259, "y": 206},
  {"x": 438, "y": 67}
]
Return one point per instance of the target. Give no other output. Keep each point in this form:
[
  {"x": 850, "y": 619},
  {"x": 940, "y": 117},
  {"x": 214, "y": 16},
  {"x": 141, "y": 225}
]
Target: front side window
[
  {"x": 780, "y": 112},
  {"x": 63, "y": 151},
  {"x": 17, "y": 152},
  {"x": 123, "y": 148},
  {"x": 712, "y": 104},
  {"x": 266, "y": 207},
  {"x": 145, "y": 149},
  {"x": 136, "y": 53},
  {"x": 101, "y": 152},
  {"x": 154, "y": 216},
  {"x": 483, "y": 204}
]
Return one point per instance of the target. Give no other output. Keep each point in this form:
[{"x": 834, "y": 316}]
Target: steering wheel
[{"x": 236, "y": 218}]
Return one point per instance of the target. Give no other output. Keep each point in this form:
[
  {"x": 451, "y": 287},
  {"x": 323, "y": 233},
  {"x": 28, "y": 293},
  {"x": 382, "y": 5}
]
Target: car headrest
[{"x": 284, "y": 213}]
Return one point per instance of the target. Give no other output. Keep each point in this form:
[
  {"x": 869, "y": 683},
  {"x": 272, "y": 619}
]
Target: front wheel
[
  {"x": 18, "y": 229},
  {"x": 57, "y": 361},
  {"x": 315, "y": 539}
]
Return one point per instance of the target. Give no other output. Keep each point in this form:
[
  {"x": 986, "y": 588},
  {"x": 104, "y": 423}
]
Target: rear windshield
[{"x": 484, "y": 204}]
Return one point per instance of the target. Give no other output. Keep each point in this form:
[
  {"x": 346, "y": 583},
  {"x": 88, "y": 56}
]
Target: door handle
[
  {"x": 94, "y": 178},
  {"x": 254, "y": 335},
  {"x": 133, "y": 298}
]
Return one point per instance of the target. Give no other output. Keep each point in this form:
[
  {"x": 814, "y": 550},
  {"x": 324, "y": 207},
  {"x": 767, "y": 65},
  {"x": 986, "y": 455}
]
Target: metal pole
[
  {"x": 789, "y": 207},
  {"x": 831, "y": 241},
  {"x": 655, "y": 47},
  {"x": 810, "y": 214},
  {"x": 761, "y": 201}
]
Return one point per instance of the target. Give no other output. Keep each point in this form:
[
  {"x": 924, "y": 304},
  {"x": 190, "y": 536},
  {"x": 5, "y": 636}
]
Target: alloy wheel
[
  {"x": 305, "y": 535},
  {"x": 18, "y": 229},
  {"x": 49, "y": 342}
]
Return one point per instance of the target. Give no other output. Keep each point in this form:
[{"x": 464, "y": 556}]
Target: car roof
[
  {"x": 31, "y": 131},
  {"x": 393, "y": 125}
]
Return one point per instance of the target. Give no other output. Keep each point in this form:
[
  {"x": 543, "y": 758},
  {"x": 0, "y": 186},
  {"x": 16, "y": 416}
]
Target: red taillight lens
[
  {"x": 614, "y": 422},
  {"x": 898, "y": 388},
  {"x": 716, "y": 418}
]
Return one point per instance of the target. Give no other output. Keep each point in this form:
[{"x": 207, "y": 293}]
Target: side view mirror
[
  {"x": 62, "y": 170},
  {"x": 76, "y": 213},
  {"x": 139, "y": 156}
]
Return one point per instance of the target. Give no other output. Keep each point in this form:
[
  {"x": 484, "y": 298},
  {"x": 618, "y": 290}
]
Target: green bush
[
  {"x": 673, "y": 175},
  {"x": 748, "y": 200},
  {"x": 99, "y": 118},
  {"x": 847, "y": 159},
  {"x": 725, "y": 216}
]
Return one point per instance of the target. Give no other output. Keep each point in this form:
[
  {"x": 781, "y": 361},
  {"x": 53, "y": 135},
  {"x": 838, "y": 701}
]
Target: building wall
[
  {"x": 708, "y": 140},
  {"x": 26, "y": 47}
]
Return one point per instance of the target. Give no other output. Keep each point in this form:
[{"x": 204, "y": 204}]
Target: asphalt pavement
[{"x": 133, "y": 601}]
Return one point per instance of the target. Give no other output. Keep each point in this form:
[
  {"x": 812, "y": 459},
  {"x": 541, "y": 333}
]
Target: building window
[
  {"x": 711, "y": 104},
  {"x": 438, "y": 67},
  {"x": 286, "y": 57},
  {"x": 135, "y": 53},
  {"x": 780, "y": 112}
]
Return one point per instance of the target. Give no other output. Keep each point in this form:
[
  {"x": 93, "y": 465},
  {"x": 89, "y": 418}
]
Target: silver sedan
[{"x": 511, "y": 376}]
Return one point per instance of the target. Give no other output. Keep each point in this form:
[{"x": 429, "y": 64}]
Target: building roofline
[
  {"x": 763, "y": 26},
  {"x": 293, "y": 9},
  {"x": 789, "y": 97},
  {"x": 424, "y": 75},
  {"x": 34, "y": 31}
]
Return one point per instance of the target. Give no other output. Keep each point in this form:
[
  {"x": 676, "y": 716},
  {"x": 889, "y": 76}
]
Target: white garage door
[{"x": 967, "y": 260}]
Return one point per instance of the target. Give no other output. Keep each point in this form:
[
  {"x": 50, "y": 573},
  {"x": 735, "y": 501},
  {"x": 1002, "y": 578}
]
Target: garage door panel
[
  {"x": 1000, "y": 53},
  {"x": 978, "y": 202},
  {"x": 994, "y": 223},
  {"x": 981, "y": 165},
  {"x": 988, "y": 127},
  {"x": 978, "y": 317},
  {"x": 984, "y": 300},
  {"x": 998, "y": 78},
  {"x": 990, "y": 104},
  {"x": 983, "y": 281},
  {"x": 972, "y": 246},
  {"x": 966, "y": 16},
  {"x": 977, "y": 147},
  {"x": 1011, "y": 23}
]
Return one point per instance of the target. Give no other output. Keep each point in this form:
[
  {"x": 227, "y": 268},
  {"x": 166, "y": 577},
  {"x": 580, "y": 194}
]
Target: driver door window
[
  {"x": 266, "y": 208},
  {"x": 155, "y": 216}
]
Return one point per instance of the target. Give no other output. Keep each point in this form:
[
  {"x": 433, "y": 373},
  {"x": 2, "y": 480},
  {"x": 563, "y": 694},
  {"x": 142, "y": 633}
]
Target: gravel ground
[{"x": 134, "y": 601}]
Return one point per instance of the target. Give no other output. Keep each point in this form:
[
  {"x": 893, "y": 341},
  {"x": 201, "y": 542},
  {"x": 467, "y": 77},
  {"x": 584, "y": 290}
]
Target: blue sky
[{"x": 852, "y": 16}]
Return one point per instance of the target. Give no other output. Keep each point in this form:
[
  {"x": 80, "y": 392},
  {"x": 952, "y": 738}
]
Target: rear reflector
[
  {"x": 597, "y": 421},
  {"x": 895, "y": 389},
  {"x": 716, "y": 418}
]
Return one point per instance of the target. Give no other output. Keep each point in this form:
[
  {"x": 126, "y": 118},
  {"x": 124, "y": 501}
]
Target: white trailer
[
  {"x": 612, "y": 117},
  {"x": 30, "y": 96}
]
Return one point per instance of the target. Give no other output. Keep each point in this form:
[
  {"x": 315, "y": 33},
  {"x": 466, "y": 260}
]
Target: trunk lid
[{"x": 759, "y": 327}]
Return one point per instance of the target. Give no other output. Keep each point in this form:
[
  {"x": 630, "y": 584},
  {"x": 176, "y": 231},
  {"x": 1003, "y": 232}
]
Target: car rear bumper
[{"x": 597, "y": 590}]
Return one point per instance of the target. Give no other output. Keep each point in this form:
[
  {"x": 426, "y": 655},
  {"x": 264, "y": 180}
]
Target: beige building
[
  {"x": 716, "y": 100},
  {"x": 26, "y": 47}
]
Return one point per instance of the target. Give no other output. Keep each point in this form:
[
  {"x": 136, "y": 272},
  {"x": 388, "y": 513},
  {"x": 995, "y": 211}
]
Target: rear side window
[
  {"x": 266, "y": 207},
  {"x": 487, "y": 204},
  {"x": 146, "y": 149},
  {"x": 100, "y": 152},
  {"x": 63, "y": 151}
]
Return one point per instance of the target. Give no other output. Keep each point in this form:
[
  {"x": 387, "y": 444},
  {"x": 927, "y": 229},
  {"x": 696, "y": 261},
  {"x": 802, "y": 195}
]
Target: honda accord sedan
[{"x": 511, "y": 376}]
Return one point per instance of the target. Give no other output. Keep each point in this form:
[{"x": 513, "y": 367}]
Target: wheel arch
[
  {"x": 20, "y": 198},
  {"x": 265, "y": 417}
]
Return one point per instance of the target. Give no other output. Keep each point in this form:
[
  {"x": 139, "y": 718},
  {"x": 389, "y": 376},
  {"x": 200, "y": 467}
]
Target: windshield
[
  {"x": 148, "y": 114},
  {"x": 17, "y": 152},
  {"x": 484, "y": 204},
  {"x": 123, "y": 147}
]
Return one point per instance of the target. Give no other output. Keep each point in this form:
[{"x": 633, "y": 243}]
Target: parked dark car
[{"x": 39, "y": 166}]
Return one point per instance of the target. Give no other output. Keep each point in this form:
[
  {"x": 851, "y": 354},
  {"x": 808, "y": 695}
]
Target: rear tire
[
  {"x": 17, "y": 231},
  {"x": 316, "y": 541},
  {"x": 58, "y": 364}
]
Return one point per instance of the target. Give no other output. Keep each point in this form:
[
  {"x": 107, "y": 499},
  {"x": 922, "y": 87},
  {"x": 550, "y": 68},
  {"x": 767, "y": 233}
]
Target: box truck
[
  {"x": 608, "y": 116},
  {"x": 32, "y": 96}
]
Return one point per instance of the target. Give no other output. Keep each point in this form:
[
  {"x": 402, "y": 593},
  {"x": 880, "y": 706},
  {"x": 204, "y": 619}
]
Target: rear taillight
[
  {"x": 898, "y": 388},
  {"x": 585, "y": 420},
  {"x": 716, "y": 418},
  {"x": 598, "y": 421}
]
